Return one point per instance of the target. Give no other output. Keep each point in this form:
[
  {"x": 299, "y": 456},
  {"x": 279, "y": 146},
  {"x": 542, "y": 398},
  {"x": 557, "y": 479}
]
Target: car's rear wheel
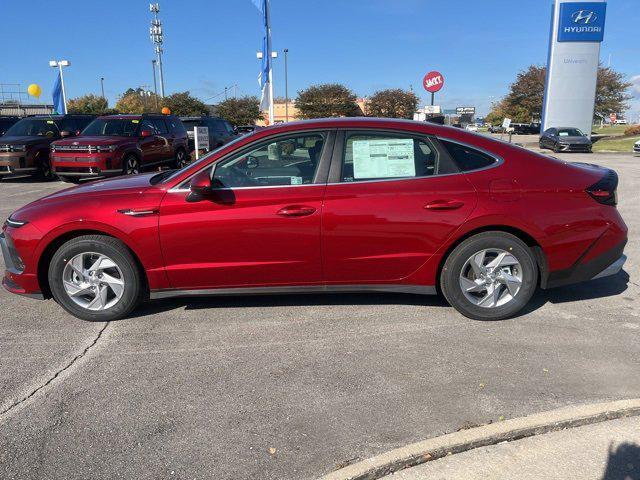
[
  {"x": 181, "y": 159},
  {"x": 489, "y": 276},
  {"x": 45, "y": 171},
  {"x": 94, "y": 277},
  {"x": 131, "y": 165},
  {"x": 75, "y": 180}
]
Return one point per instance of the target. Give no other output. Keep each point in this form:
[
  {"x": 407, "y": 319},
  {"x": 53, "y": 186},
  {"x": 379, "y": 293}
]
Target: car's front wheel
[
  {"x": 489, "y": 276},
  {"x": 95, "y": 277},
  {"x": 181, "y": 159},
  {"x": 131, "y": 165}
]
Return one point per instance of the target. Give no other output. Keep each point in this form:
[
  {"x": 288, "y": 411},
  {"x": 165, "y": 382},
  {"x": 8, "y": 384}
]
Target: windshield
[
  {"x": 112, "y": 127},
  {"x": 32, "y": 127},
  {"x": 159, "y": 178},
  {"x": 569, "y": 132}
]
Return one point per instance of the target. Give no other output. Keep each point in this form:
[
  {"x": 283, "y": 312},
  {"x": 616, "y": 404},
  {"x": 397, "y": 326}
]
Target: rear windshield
[
  {"x": 32, "y": 127},
  {"x": 112, "y": 127},
  {"x": 189, "y": 124}
]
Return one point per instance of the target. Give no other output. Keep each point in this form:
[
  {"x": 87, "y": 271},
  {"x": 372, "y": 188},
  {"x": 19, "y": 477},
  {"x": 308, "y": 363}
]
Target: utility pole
[
  {"x": 157, "y": 37},
  {"x": 102, "y": 86},
  {"x": 286, "y": 87},
  {"x": 155, "y": 85}
]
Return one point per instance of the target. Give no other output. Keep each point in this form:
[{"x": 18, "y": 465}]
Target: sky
[{"x": 368, "y": 45}]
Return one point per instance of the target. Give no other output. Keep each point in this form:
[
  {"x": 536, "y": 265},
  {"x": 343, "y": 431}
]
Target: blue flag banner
[
  {"x": 264, "y": 78},
  {"x": 58, "y": 100}
]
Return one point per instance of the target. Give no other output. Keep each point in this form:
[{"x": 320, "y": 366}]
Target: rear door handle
[
  {"x": 296, "y": 211},
  {"x": 444, "y": 205}
]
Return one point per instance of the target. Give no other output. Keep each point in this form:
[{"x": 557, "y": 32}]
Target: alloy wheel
[
  {"x": 93, "y": 281},
  {"x": 132, "y": 166},
  {"x": 181, "y": 159},
  {"x": 491, "y": 278}
]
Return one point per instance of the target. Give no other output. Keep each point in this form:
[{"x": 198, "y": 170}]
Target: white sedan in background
[
  {"x": 636, "y": 147},
  {"x": 472, "y": 127}
]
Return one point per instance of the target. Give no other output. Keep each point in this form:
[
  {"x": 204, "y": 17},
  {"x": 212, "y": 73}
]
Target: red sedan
[{"x": 338, "y": 205}]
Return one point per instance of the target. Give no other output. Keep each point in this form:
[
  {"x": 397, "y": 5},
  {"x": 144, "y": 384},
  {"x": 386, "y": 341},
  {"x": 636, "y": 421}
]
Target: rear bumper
[{"x": 604, "y": 265}]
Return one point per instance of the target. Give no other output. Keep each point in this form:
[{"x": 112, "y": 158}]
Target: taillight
[{"x": 604, "y": 190}]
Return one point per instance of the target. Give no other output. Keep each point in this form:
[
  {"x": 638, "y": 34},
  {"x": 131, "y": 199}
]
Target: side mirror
[
  {"x": 145, "y": 133},
  {"x": 65, "y": 133},
  {"x": 201, "y": 183}
]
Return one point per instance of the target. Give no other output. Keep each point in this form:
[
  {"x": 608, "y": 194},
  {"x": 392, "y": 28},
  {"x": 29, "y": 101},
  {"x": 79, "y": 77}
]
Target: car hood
[
  {"x": 579, "y": 140},
  {"x": 88, "y": 140},
  {"x": 83, "y": 198},
  {"x": 24, "y": 140}
]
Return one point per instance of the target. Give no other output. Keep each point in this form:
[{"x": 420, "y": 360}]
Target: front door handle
[
  {"x": 296, "y": 211},
  {"x": 444, "y": 205}
]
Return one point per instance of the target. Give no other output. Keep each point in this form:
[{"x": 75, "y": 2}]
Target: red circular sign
[{"x": 433, "y": 81}]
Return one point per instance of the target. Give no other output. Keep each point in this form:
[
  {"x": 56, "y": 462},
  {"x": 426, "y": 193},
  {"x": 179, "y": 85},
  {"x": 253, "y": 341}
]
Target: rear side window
[
  {"x": 175, "y": 125},
  {"x": 467, "y": 158},
  {"x": 383, "y": 156},
  {"x": 161, "y": 127}
]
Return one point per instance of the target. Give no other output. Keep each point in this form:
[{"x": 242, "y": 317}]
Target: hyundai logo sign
[
  {"x": 581, "y": 22},
  {"x": 584, "y": 16}
]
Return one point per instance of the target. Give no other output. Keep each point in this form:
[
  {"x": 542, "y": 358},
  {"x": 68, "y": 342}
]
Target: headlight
[
  {"x": 105, "y": 148},
  {"x": 15, "y": 223}
]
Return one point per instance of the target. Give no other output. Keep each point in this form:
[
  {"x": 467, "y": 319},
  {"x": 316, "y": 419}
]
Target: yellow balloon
[{"x": 34, "y": 90}]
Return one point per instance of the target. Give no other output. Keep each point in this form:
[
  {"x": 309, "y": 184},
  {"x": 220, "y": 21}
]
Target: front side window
[
  {"x": 382, "y": 156},
  {"x": 287, "y": 161}
]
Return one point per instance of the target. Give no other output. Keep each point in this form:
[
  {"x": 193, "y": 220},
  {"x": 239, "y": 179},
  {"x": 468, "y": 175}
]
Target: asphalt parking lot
[{"x": 292, "y": 387}]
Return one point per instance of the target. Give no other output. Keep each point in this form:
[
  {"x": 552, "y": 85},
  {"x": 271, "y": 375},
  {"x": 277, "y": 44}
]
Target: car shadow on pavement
[
  {"x": 25, "y": 179},
  {"x": 623, "y": 462},
  {"x": 600, "y": 288},
  {"x": 604, "y": 287},
  {"x": 286, "y": 300}
]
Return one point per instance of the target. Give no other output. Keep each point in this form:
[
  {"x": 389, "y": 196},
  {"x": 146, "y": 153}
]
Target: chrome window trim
[{"x": 325, "y": 131}]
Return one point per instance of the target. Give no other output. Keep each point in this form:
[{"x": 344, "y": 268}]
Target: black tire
[
  {"x": 119, "y": 254},
  {"x": 75, "y": 180},
  {"x": 455, "y": 262},
  {"x": 130, "y": 165},
  {"x": 44, "y": 170},
  {"x": 181, "y": 159},
  {"x": 556, "y": 148}
]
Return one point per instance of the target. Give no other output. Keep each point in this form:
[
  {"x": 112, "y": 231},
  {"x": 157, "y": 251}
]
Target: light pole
[
  {"x": 155, "y": 85},
  {"x": 286, "y": 87},
  {"x": 157, "y": 37},
  {"x": 60, "y": 64},
  {"x": 102, "y": 85}
]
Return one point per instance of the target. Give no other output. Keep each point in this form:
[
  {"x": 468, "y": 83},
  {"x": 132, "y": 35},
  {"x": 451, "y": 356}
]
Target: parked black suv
[
  {"x": 24, "y": 148},
  {"x": 5, "y": 122},
  {"x": 220, "y": 131}
]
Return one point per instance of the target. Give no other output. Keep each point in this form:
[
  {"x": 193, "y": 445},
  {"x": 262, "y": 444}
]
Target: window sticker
[
  {"x": 383, "y": 158},
  {"x": 135, "y": 121},
  {"x": 296, "y": 180},
  {"x": 50, "y": 122}
]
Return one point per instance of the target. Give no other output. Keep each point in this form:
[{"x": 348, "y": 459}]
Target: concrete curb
[{"x": 492, "y": 434}]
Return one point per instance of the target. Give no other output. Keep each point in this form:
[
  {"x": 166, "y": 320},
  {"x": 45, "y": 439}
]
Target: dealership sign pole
[
  {"x": 433, "y": 82},
  {"x": 577, "y": 28}
]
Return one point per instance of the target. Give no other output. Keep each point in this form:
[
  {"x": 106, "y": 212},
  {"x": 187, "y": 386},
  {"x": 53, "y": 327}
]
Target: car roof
[
  {"x": 200, "y": 118},
  {"x": 362, "y": 122},
  {"x": 135, "y": 116}
]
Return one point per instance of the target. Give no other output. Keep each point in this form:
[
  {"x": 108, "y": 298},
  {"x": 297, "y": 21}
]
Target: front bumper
[
  {"x": 636, "y": 148},
  {"x": 15, "y": 163},
  {"x": 575, "y": 147},
  {"x": 14, "y": 273},
  {"x": 84, "y": 165}
]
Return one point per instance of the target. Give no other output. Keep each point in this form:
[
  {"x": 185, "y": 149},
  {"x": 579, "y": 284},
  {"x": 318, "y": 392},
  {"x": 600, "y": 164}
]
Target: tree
[
  {"x": 239, "y": 111},
  {"x": 87, "y": 104},
  {"x": 138, "y": 101},
  {"x": 393, "y": 103},
  {"x": 327, "y": 100},
  {"x": 523, "y": 103},
  {"x": 183, "y": 104}
]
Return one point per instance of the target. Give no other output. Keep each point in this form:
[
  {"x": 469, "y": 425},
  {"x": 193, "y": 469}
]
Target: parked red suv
[
  {"x": 121, "y": 145},
  {"x": 336, "y": 205}
]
